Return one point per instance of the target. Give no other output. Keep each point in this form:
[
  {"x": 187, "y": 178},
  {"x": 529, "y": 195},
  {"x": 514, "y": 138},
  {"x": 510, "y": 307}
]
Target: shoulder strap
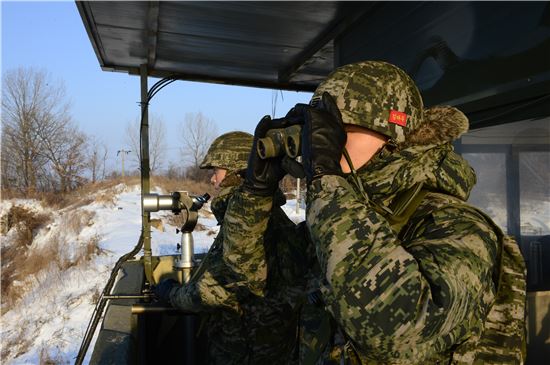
[{"x": 404, "y": 205}]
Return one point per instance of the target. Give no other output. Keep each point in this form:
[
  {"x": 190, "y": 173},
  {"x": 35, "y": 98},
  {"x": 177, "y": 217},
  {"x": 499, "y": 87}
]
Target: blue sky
[{"x": 51, "y": 36}]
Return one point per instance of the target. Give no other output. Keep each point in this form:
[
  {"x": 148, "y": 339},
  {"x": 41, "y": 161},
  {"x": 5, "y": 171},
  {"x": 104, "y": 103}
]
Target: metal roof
[
  {"x": 281, "y": 45},
  {"x": 491, "y": 59}
]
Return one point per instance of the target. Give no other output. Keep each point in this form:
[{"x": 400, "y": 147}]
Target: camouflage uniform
[
  {"x": 250, "y": 320},
  {"x": 267, "y": 252},
  {"x": 292, "y": 273},
  {"x": 448, "y": 287}
]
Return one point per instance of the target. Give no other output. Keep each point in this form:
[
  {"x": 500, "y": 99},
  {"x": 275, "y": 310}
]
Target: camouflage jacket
[
  {"x": 423, "y": 294},
  {"x": 212, "y": 285},
  {"x": 251, "y": 282},
  {"x": 269, "y": 253},
  {"x": 264, "y": 247}
]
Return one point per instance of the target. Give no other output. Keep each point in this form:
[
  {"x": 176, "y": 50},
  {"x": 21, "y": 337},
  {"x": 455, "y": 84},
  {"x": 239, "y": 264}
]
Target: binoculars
[{"x": 281, "y": 141}]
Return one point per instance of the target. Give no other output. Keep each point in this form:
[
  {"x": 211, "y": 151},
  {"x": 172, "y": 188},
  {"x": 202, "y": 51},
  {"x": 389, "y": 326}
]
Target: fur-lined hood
[
  {"x": 427, "y": 156},
  {"x": 441, "y": 124}
]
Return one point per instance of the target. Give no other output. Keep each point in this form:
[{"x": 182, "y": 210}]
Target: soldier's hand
[
  {"x": 263, "y": 175},
  {"x": 323, "y": 138}
]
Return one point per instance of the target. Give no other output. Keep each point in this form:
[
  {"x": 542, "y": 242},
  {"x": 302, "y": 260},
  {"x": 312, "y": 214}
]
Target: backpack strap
[{"x": 404, "y": 206}]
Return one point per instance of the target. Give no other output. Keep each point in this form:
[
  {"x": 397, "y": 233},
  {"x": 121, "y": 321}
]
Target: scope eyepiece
[
  {"x": 199, "y": 201},
  {"x": 280, "y": 141},
  {"x": 272, "y": 144},
  {"x": 293, "y": 137}
]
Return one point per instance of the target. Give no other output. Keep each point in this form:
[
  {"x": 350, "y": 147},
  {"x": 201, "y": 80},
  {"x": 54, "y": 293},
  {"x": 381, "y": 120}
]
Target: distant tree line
[
  {"x": 197, "y": 132},
  {"x": 42, "y": 149}
]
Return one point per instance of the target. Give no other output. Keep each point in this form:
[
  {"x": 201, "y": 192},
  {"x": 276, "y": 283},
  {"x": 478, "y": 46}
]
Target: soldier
[
  {"x": 249, "y": 321},
  {"x": 411, "y": 273},
  {"x": 227, "y": 158}
]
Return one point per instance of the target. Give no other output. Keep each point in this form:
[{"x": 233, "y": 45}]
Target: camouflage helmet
[
  {"x": 229, "y": 151},
  {"x": 375, "y": 95}
]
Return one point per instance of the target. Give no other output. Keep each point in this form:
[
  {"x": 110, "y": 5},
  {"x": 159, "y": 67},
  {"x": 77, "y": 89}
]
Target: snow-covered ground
[{"x": 52, "y": 315}]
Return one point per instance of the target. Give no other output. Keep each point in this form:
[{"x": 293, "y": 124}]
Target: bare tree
[
  {"x": 66, "y": 151},
  {"x": 157, "y": 142},
  {"x": 32, "y": 107},
  {"x": 132, "y": 142},
  {"x": 97, "y": 158},
  {"x": 198, "y": 132}
]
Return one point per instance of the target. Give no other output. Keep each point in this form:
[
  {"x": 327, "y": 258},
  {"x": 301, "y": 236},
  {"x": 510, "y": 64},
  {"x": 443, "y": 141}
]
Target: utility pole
[{"x": 122, "y": 152}]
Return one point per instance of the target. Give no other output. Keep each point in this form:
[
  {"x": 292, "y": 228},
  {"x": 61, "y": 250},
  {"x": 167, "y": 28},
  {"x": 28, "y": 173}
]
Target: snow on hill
[{"x": 49, "y": 318}]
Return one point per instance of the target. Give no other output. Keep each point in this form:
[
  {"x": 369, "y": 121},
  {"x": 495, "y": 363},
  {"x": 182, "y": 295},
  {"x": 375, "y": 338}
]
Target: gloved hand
[
  {"x": 323, "y": 138},
  {"x": 263, "y": 175},
  {"x": 162, "y": 290}
]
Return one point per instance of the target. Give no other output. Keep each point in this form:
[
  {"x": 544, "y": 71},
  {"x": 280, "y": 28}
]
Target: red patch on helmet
[{"x": 398, "y": 118}]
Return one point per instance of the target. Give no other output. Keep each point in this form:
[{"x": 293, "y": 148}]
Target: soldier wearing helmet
[
  {"x": 250, "y": 321},
  {"x": 409, "y": 272},
  {"x": 227, "y": 156}
]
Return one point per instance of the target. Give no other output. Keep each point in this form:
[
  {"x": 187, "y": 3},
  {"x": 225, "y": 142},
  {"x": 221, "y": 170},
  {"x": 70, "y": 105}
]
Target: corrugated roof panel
[
  {"x": 255, "y": 23},
  {"x": 491, "y": 59},
  {"x": 243, "y": 42}
]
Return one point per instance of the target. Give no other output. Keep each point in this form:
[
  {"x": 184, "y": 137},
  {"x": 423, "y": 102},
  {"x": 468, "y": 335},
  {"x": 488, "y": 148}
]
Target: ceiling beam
[
  {"x": 334, "y": 29},
  {"x": 152, "y": 33}
]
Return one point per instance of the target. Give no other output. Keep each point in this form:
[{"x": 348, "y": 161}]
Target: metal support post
[
  {"x": 513, "y": 193},
  {"x": 186, "y": 259},
  {"x": 185, "y": 264},
  {"x": 145, "y": 179},
  {"x": 299, "y": 159}
]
